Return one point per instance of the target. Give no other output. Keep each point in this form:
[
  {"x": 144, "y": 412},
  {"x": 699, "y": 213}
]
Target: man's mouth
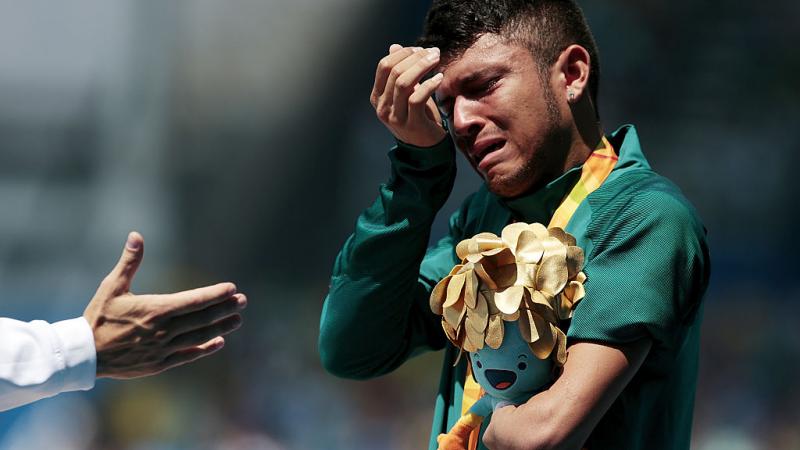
[
  {"x": 481, "y": 152},
  {"x": 500, "y": 379}
]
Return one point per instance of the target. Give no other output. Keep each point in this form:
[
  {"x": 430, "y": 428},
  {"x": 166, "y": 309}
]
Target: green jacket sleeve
[{"x": 377, "y": 313}]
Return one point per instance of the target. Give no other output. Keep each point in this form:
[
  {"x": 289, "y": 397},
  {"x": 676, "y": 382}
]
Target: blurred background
[{"x": 238, "y": 138}]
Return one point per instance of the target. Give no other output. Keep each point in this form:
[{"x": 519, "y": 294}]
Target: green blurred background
[{"x": 237, "y": 136}]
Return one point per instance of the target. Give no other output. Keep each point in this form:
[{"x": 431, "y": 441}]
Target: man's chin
[{"x": 506, "y": 188}]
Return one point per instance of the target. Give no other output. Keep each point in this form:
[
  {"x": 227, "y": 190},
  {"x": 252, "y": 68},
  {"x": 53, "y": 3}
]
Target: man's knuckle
[
  {"x": 416, "y": 100},
  {"x": 384, "y": 65},
  {"x": 405, "y": 85}
]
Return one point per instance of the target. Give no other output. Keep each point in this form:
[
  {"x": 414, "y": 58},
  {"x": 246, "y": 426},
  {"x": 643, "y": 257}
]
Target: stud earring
[{"x": 571, "y": 96}]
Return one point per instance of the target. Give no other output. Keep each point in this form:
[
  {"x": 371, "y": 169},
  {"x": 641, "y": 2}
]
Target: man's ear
[{"x": 572, "y": 73}]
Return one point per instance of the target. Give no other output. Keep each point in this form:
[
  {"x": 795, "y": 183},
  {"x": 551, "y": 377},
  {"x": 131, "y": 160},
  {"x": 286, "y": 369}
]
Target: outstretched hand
[
  {"x": 403, "y": 101},
  {"x": 140, "y": 335}
]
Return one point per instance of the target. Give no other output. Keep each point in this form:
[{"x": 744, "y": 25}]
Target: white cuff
[{"x": 76, "y": 342}]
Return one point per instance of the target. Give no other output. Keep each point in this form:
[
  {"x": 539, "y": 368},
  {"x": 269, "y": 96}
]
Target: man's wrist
[{"x": 442, "y": 153}]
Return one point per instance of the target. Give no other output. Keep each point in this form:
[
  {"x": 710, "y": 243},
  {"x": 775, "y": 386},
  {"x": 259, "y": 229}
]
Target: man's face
[{"x": 503, "y": 116}]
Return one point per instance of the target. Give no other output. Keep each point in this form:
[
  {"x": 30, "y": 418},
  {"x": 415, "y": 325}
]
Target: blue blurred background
[{"x": 237, "y": 136}]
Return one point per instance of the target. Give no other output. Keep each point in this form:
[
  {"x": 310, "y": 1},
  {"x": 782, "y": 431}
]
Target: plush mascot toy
[{"x": 504, "y": 305}]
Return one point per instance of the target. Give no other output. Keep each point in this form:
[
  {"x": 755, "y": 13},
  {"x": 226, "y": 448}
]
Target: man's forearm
[
  {"x": 376, "y": 313},
  {"x": 564, "y": 416}
]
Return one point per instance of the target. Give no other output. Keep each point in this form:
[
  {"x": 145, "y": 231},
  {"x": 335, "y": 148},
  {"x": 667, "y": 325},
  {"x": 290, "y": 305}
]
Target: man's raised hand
[
  {"x": 140, "y": 335},
  {"x": 402, "y": 102}
]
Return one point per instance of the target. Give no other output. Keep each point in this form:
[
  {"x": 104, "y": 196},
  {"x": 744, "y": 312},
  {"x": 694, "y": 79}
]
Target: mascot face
[{"x": 511, "y": 372}]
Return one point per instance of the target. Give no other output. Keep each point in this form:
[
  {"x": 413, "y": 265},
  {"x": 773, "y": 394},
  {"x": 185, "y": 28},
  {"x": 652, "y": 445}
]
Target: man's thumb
[{"x": 122, "y": 274}]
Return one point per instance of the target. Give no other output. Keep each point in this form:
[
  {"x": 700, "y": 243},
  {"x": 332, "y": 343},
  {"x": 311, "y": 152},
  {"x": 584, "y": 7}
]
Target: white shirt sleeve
[{"x": 39, "y": 359}]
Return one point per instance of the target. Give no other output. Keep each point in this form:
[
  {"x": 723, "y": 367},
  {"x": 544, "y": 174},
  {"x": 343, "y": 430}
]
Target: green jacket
[{"x": 647, "y": 266}]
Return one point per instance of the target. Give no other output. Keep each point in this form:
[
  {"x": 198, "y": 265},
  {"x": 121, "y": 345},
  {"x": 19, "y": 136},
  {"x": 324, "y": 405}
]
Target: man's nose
[{"x": 466, "y": 121}]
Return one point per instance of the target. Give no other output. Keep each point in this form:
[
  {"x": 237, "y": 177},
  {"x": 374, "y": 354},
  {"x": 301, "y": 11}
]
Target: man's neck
[{"x": 586, "y": 133}]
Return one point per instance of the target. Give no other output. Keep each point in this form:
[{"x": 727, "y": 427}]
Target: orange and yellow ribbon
[{"x": 594, "y": 172}]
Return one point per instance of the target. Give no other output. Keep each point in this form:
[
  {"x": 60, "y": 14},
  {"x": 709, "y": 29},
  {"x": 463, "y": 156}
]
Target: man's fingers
[
  {"x": 201, "y": 335},
  {"x": 188, "y": 355},
  {"x": 408, "y": 83},
  {"x": 395, "y": 47},
  {"x": 386, "y": 100},
  {"x": 203, "y": 318},
  {"x": 421, "y": 99},
  {"x": 384, "y": 69},
  {"x": 122, "y": 274},
  {"x": 192, "y": 300}
]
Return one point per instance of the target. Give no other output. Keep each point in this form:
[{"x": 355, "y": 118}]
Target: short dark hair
[{"x": 545, "y": 27}]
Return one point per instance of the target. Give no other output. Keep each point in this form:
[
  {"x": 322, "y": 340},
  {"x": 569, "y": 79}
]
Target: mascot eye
[
  {"x": 522, "y": 366},
  {"x": 478, "y": 363}
]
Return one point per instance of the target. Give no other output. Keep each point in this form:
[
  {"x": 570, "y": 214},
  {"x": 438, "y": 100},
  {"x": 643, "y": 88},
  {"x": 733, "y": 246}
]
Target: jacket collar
[{"x": 540, "y": 205}]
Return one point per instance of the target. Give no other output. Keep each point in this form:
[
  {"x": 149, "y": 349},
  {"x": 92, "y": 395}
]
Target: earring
[{"x": 571, "y": 96}]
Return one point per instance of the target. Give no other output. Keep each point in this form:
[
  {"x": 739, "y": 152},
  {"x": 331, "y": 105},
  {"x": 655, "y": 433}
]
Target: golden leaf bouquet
[{"x": 529, "y": 274}]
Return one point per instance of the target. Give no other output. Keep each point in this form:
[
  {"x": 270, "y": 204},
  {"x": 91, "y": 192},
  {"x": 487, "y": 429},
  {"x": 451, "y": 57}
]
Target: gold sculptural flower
[{"x": 530, "y": 274}]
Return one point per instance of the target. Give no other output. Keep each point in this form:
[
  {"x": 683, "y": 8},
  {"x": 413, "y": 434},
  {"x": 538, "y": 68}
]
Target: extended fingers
[
  {"x": 201, "y": 335},
  {"x": 192, "y": 300},
  {"x": 188, "y": 355},
  {"x": 205, "y": 317},
  {"x": 149, "y": 341}
]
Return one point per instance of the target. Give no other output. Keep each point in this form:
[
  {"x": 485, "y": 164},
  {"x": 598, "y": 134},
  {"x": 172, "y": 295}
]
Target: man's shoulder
[
  {"x": 642, "y": 192},
  {"x": 642, "y": 198}
]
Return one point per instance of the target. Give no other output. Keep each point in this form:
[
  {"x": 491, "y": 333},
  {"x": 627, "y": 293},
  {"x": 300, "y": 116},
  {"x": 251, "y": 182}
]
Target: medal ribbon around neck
[{"x": 595, "y": 170}]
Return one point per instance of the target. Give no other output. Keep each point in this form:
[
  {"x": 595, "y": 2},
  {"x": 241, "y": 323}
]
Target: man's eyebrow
[
  {"x": 470, "y": 78},
  {"x": 487, "y": 72}
]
